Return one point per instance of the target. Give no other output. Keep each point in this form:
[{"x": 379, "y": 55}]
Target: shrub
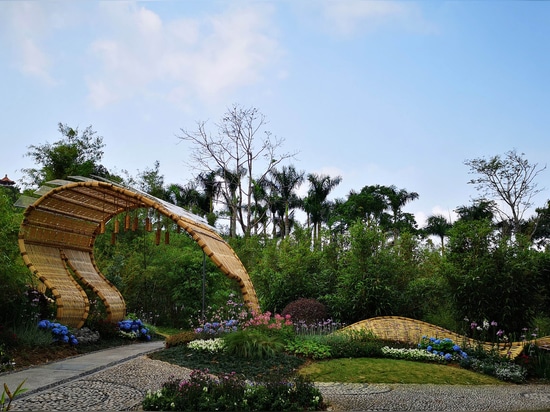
[
  {"x": 207, "y": 345},
  {"x": 309, "y": 348},
  {"x": 230, "y": 392},
  {"x": 411, "y": 354},
  {"x": 308, "y": 311},
  {"x": 60, "y": 333},
  {"x": 181, "y": 338},
  {"x": 445, "y": 348},
  {"x": 134, "y": 329},
  {"x": 226, "y": 318},
  {"x": 354, "y": 344},
  {"x": 253, "y": 344}
]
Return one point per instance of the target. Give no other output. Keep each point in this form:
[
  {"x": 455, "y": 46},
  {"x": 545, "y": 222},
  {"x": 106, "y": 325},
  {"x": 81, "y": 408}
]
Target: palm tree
[
  {"x": 316, "y": 204},
  {"x": 211, "y": 185},
  {"x": 437, "y": 225},
  {"x": 481, "y": 209},
  {"x": 232, "y": 180},
  {"x": 283, "y": 184},
  {"x": 396, "y": 200}
]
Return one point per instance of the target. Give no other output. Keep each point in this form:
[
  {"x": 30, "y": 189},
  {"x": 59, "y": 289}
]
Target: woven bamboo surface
[
  {"x": 401, "y": 329},
  {"x": 81, "y": 263},
  {"x": 59, "y": 230},
  {"x": 46, "y": 263}
]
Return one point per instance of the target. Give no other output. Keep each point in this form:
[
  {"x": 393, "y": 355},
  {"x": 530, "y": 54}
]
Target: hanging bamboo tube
[
  {"x": 157, "y": 236},
  {"x": 117, "y": 226},
  {"x": 113, "y": 238},
  {"x": 127, "y": 222},
  {"x": 102, "y": 227},
  {"x": 167, "y": 237},
  {"x": 148, "y": 225},
  {"x": 135, "y": 224}
]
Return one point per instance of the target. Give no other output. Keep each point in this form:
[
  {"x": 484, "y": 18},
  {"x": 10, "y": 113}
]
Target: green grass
[
  {"x": 376, "y": 370},
  {"x": 167, "y": 331}
]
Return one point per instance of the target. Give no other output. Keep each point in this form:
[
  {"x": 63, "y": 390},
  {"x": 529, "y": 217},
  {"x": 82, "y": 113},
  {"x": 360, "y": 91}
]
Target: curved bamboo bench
[
  {"x": 401, "y": 329},
  {"x": 58, "y": 232}
]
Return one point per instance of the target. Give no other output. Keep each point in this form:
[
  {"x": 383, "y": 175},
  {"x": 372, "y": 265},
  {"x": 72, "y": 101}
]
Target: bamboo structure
[
  {"x": 401, "y": 329},
  {"x": 58, "y": 232}
]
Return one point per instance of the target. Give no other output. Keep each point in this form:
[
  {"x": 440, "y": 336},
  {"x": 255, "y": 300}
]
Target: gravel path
[{"x": 122, "y": 387}]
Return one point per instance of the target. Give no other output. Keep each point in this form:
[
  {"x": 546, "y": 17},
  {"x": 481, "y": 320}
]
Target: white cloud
[
  {"x": 181, "y": 58},
  {"x": 350, "y": 17},
  {"x": 25, "y": 28}
]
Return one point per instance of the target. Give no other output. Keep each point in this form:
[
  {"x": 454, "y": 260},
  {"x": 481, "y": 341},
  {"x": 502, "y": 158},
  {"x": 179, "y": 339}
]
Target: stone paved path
[{"x": 122, "y": 386}]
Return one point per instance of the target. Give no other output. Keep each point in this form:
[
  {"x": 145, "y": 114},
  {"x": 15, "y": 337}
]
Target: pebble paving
[{"x": 122, "y": 388}]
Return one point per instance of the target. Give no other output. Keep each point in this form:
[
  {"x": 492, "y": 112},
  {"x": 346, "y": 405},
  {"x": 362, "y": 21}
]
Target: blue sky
[{"x": 377, "y": 92}]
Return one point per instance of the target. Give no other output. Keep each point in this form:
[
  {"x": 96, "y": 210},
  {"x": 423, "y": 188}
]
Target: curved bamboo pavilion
[{"x": 59, "y": 229}]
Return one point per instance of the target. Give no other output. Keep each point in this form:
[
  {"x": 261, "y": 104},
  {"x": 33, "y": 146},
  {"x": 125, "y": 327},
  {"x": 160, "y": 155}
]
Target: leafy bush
[
  {"x": 412, "y": 354},
  {"x": 217, "y": 328},
  {"x": 308, "y": 311},
  {"x": 354, "y": 344},
  {"x": 536, "y": 361},
  {"x": 226, "y": 318},
  {"x": 253, "y": 343},
  {"x": 60, "y": 333},
  {"x": 502, "y": 369},
  {"x": 134, "y": 329},
  {"x": 180, "y": 338},
  {"x": 207, "y": 345},
  {"x": 309, "y": 348},
  {"x": 281, "y": 364},
  {"x": 444, "y": 348},
  {"x": 230, "y": 392}
]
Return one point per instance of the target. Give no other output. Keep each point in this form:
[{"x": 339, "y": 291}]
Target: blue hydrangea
[{"x": 60, "y": 333}]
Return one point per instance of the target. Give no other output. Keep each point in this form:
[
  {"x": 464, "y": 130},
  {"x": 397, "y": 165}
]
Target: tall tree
[
  {"x": 152, "y": 181},
  {"x": 509, "y": 179},
  {"x": 76, "y": 154},
  {"x": 480, "y": 209},
  {"x": 397, "y": 199},
  {"x": 438, "y": 225},
  {"x": 241, "y": 143},
  {"x": 284, "y": 184},
  {"x": 316, "y": 204}
]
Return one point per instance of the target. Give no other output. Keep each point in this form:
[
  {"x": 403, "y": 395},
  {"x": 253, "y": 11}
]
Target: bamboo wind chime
[{"x": 131, "y": 222}]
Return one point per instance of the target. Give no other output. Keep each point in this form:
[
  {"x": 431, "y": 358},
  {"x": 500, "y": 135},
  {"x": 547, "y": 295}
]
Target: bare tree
[
  {"x": 509, "y": 179},
  {"x": 241, "y": 149}
]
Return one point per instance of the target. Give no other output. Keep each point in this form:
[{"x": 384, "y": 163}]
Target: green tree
[
  {"x": 14, "y": 276},
  {"x": 76, "y": 154},
  {"x": 284, "y": 184},
  {"x": 397, "y": 199},
  {"x": 492, "y": 277},
  {"x": 437, "y": 225},
  {"x": 509, "y": 179},
  {"x": 480, "y": 209},
  {"x": 241, "y": 147},
  {"x": 371, "y": 281},
  {"x": 316, "y": 204}
]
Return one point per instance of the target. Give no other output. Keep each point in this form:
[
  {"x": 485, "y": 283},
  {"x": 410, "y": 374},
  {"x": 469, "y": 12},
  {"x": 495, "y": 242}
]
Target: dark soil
[{"x": 26, "y": 357}]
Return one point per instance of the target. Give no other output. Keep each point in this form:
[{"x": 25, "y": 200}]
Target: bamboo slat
[
  {"x": 401, "y": 329},
  {"x": 84, "y": 267},
  {"x": 59, "y": 230},
  {"x": 72, "y": 303}
]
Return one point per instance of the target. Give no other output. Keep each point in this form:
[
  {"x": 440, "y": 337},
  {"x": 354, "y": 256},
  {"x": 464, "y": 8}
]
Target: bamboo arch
[{"x": 59, "y": 229}]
